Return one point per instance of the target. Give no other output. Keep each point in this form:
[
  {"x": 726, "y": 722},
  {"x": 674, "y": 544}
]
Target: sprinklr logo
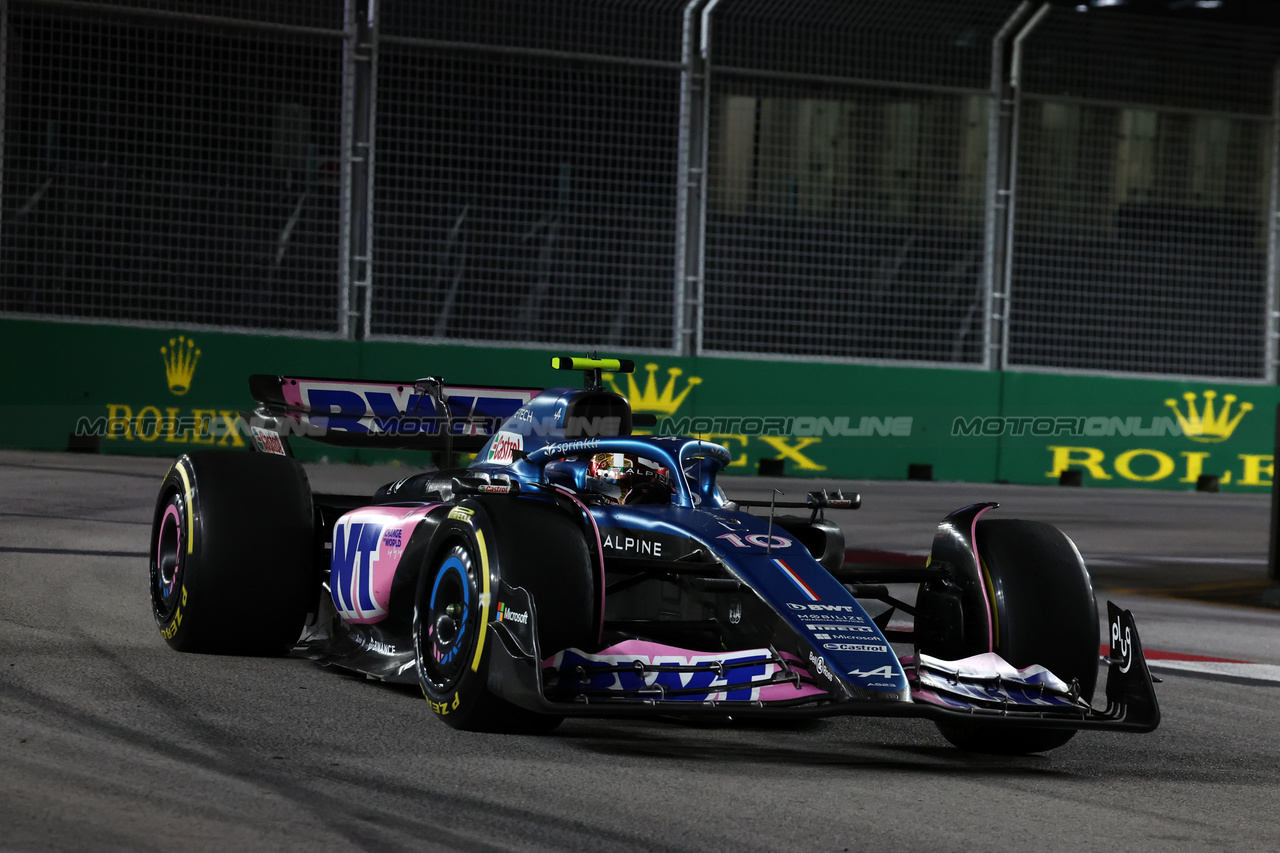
[
  {"x": 180, "y": 359},
  {"x": 506, "y": 614}
]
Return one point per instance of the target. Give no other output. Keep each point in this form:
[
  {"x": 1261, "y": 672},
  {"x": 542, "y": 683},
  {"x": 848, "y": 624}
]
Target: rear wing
[{"x": 425, "y": 414}]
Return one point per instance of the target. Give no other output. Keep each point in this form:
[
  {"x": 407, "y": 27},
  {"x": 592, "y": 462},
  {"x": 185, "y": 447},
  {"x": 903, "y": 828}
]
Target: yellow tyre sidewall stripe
[
  {"x": 484, "y": 600},
  {"x": 186, "y": 488}
]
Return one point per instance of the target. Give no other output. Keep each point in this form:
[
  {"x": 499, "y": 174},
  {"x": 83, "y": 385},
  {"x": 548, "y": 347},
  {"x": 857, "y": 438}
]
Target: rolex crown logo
[
  {"x": 1208, "y": 425},
  {"x": 180, "y": 359},
  {"x": 664, "y": 402}
]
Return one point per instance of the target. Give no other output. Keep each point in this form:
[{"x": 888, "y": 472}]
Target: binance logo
[
  {"x": 180, "y": 359},
  {"x": 1206, "y": 425},
  {"x": 664, "y": 402}
]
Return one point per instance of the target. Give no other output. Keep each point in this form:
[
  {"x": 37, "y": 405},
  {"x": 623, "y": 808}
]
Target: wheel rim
[
  {"x": 447, "y": 626},
  {"x": 166, "y": 568}
]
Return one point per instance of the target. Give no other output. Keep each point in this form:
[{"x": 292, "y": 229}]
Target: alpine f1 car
[{"x": 576, "y": 568}]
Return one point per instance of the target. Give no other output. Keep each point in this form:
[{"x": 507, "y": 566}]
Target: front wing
[{"x": 640, "y": 679}]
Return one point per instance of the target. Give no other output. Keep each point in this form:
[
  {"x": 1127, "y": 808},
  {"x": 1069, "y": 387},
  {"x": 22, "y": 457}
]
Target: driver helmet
[{"x": 629, "y": 479}]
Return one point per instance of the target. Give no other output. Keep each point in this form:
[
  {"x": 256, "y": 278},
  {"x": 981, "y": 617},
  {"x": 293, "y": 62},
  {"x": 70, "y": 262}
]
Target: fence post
[
  {"x": 999, "y": 140},
  {"x": 1273, "y": 218},
  {"x": 1271, "y": 595},
  {"x": 1002, "y": 300},
  {"x": 4, "y": 63},
  {"x": 355, "y": 217},
  {"x": 691, "y": 182}
]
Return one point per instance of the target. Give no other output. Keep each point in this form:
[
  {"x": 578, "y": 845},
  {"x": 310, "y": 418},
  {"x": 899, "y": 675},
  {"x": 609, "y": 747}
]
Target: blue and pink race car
[{"x": 576, "y": 568}]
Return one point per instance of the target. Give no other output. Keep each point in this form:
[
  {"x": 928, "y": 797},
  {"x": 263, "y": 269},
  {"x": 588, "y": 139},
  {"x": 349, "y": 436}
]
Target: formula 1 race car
[{"x": 578, "y": 569}]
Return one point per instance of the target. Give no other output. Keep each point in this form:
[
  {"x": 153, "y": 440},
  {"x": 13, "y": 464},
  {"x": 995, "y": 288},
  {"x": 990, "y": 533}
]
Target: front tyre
[
  {"x": 1045, "y": 613},
  {"x": 446, "y": 634},
  {"x": 451, "y": 639}
]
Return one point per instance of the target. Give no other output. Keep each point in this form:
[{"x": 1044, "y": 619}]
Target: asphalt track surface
[{"x": 111, "y": 741}]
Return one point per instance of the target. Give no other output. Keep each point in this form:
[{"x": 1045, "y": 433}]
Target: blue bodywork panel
[{"x": 540, "y": 444}]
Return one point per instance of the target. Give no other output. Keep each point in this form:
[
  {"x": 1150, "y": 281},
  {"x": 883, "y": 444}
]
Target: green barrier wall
[
  {"x": 1136, "y": 432},
  {"x": 150, "y": 391}
]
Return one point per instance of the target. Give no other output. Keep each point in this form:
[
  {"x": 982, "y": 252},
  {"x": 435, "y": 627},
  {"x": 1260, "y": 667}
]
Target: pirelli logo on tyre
[
  {"x": 172, "y": 629},
  {"x": 443, "y": 708}
]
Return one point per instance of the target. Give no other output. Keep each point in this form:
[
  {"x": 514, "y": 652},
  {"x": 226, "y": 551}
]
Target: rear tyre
[
  {"x": 539, "y": 549},
  {"x": 1045, "y": 613},
  {"x": 231, "y": 553}
]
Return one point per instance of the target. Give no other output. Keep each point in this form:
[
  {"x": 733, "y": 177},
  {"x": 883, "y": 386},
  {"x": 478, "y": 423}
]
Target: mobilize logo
[{"x": 833, "y": 617}]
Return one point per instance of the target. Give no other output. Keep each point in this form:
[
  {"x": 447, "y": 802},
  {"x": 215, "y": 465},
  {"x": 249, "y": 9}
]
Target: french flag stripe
[{"x": 795, "y": 579}]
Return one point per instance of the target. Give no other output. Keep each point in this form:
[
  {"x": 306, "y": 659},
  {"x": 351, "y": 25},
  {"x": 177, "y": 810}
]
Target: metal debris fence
[{"x": 987, "y": 184}]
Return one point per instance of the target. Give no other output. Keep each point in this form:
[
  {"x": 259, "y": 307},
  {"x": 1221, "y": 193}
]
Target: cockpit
[{"x": 630, "y": 477}]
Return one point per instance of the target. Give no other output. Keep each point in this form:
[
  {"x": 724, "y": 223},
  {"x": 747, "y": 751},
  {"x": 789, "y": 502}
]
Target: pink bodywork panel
[
  {"x": 361, "y": 572},
  {"x": 656, "y": 653}
]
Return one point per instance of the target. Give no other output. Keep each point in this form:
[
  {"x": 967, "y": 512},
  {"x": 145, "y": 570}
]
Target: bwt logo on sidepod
[{"x": 355, "y": 551}]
